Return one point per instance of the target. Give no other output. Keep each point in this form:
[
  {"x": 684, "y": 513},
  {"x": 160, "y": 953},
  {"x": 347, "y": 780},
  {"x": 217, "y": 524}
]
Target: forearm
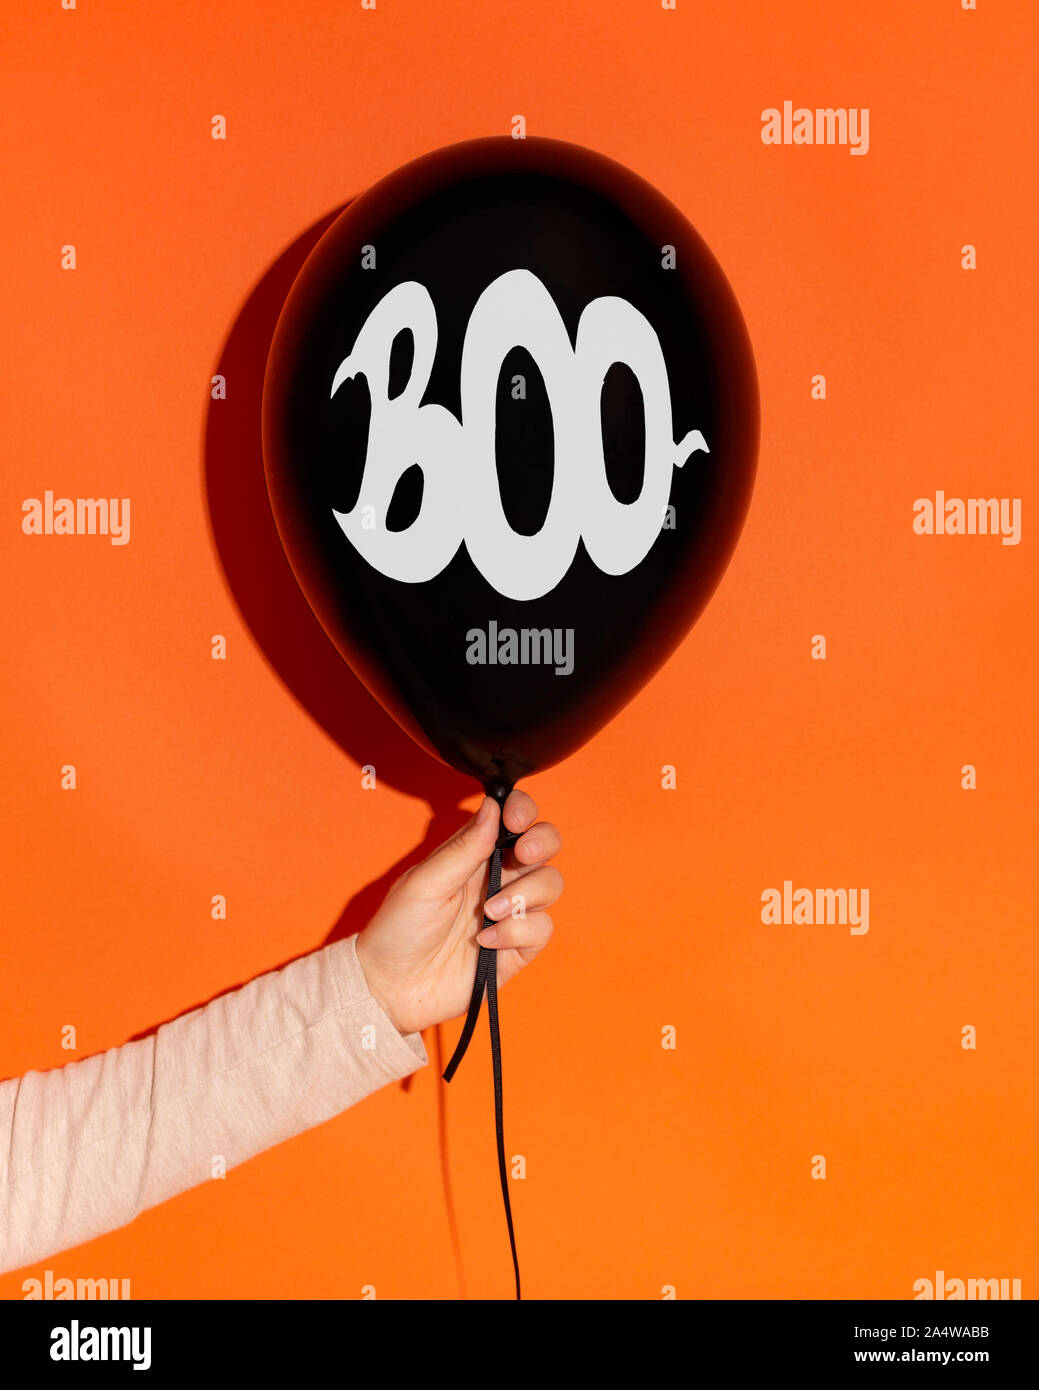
[{"x": 86, "y": 1147}]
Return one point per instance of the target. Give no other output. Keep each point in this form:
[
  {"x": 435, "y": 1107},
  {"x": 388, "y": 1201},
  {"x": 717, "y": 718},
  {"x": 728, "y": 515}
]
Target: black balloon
[{"x": 443, "y": 648}]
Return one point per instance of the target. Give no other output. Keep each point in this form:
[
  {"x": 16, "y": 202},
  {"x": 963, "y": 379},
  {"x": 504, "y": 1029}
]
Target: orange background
[{"x": 645, "y": 1167}]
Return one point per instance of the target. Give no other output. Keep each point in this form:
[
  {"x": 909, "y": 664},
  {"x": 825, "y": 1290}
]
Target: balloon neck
[{"x": 499, "y": 788}]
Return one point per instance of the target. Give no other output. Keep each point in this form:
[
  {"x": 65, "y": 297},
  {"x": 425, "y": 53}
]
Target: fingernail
[
  {"x": 497, "y": 907},
  {"x": 487, "y": 808},
  {"x": 488, "y": 936}
]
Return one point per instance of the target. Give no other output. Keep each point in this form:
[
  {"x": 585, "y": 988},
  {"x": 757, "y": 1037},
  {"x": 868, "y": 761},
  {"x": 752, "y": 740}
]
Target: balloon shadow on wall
[
  {"x": 258, "y": 574},
  {"x": 275, "y": 611}
]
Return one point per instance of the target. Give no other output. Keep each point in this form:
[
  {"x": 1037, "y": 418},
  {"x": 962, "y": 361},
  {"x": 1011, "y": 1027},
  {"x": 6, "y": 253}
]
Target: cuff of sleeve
[{"x": 400, "y": 1054}]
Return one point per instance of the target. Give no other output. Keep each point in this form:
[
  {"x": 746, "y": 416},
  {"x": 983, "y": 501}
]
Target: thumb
[{"x": 452, "y": 865}]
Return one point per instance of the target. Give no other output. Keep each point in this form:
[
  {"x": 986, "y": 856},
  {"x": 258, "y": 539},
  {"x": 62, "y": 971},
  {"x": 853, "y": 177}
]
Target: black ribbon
[{"x": 487, "y": 980}]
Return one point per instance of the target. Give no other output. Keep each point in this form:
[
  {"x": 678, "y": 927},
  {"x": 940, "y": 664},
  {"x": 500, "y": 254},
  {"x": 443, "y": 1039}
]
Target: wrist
[{"x": 377, "y": 987}]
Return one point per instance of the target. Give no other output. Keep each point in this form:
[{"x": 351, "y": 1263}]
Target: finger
[
  {"x": 528, "y": 893},
  {"x": 451, "y": 866},
  {"x": 527, "y": 935},
  {"x": 519, "y": 811},
  {"x": 541, "y": 842}
]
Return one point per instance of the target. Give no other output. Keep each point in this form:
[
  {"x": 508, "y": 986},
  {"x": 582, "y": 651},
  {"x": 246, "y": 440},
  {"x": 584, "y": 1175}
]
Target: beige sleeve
[{"x": 86, "y": 1147}]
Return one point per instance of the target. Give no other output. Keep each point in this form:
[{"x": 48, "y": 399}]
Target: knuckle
[{"x": 456, "y": 844}]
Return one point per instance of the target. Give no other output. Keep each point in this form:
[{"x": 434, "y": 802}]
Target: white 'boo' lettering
[{"x": 460, "y": 497}]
